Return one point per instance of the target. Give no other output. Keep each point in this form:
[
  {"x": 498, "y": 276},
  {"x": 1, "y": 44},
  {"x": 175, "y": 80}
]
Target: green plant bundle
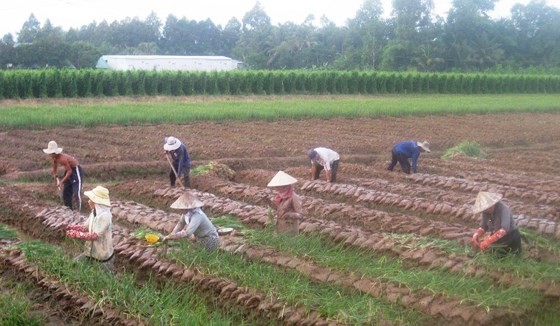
[{"x": 466, "y": 148}]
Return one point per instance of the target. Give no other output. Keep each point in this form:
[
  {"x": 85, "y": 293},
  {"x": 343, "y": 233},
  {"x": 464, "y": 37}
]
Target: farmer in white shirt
[{"x": 323, "y": 158}]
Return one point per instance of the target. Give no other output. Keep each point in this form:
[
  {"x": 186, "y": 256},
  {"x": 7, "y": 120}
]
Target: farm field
[{"x": 375, "y": 248}]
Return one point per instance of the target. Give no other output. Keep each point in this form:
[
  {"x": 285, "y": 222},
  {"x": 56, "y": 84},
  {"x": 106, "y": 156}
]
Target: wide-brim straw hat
[
  {"x": 99, "y": 195},
  {"x": 485, "y": 200},
  {"x": 52, "y": 148},
  {"x": 282, "y": 179},
  {"x": 425, "y": 145},
  {"x": 187, "y": 201},
  {"x": 171, "y": 143}
]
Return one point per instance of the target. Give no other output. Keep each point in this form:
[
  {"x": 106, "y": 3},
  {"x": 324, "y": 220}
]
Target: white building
[{"x": 167, "y": 62}]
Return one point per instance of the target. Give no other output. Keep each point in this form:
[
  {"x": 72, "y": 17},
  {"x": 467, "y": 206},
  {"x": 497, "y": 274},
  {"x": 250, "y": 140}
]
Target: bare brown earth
[{"x": 364, "y": 209}]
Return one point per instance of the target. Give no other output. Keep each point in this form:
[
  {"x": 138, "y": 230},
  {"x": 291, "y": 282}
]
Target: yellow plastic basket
[{"x": 152, "y": 238}]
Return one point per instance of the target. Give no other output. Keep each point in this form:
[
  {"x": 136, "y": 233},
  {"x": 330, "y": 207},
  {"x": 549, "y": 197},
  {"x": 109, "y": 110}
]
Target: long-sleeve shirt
[
  {"x": 181, "y": 159},
  {"x": 500, "y": 218},
  {"x": 325, "y": 157},
  {"x": 197, "y": 223},
  {"x": 289, "y": 208},
  {"x": 409, "y": 149},
  {"x": 101, "y": 224}
]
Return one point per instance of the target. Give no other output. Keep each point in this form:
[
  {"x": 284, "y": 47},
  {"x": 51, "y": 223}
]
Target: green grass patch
[
  {"x": 16, "y": 308},
  {"x": 159, "y": 302},
  {"x": 293, "y": 288},
  {"x": 175, "y": 111},
  {"x": 466, "y": 148},
  {"x": 202, "y": 169},
  {"x": 481, "y": 291},
  {"x": 6, "y": 233}
]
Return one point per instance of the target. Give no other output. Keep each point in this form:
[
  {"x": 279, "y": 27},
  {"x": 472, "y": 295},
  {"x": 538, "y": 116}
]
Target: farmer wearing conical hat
[
  {"x": 73, "y": 176},
  {"x": 323, "y": 158},
  {"x": 195, "y": 221},
  {"x": 180, "y": 160},
  {"x": 498, "y": 221},
  {"x": 286, "y": 203},
  {"x": 97, "y": 231},
  {"x": 406, "y": 150}
]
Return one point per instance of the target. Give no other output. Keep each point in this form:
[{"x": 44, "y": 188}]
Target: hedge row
[{"x": 21, "y": 84}]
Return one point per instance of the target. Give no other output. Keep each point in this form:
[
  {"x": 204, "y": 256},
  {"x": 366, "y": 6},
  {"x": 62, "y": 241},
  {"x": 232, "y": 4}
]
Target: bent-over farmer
[
  {"x": 323, "y": 158},
  {"x": 181, "y": 161},
  {"x": 72, "y": 180},
  {"x": 194, "y": 222},
  {"x": 497, "y": 219},
  {"x": 287, "y": 204},
  {"x": 406, "y": 150}
]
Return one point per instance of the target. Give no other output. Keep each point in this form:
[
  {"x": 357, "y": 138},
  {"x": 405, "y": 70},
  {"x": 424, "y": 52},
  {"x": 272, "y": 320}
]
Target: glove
[
  {"x": 76, "y": 227},
  {"x": 476, "y": 236},
  {"x": 493, "y": 238},
  {"x": 82, "y": 235}
]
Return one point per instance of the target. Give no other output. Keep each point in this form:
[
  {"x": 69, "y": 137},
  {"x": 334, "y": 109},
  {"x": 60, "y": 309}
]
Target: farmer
[
  {"x": 73, "y": 176},
  {"x": 406, "y": 150},
  {"x": 286, "y": 203},
  {"x": 181, "y": 161},
  {"x": 195, "y": 221},
  {"x": 497, "y": 219},
  {"x": 323, "y": 158},
  {"x": 97, "y": 231}
]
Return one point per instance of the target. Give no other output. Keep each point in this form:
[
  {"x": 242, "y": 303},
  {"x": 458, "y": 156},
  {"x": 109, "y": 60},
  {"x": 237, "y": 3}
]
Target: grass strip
[
  {"x": 16, "y": 307},
  {"x": 6, "y": 233},
  {"x": 480, "y": 291},
  {"x": 523, "y": 268},
  {"x": 173, "y": 110},
  {"x": 295, "y": 289},
  {"x": 161, "y": 303}
]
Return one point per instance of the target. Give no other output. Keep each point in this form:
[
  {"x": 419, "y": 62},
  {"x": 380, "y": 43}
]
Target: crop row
[{"x": 406, "y": 248}]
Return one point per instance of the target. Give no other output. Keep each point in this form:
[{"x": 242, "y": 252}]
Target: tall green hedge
[{"x": 52, "y": 83}]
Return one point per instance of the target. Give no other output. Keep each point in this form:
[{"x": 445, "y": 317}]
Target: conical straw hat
[
  {"x": 281, "y": 179},
  {"x": 485, "y": 200},
  {"x": 187, "y": 201}
]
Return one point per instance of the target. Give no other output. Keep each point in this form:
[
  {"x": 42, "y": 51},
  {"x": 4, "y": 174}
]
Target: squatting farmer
[
  {"x": 194, "y": 222},
  {"x": 73, "y": 176},
  {"x": 323, "y": 158},
  {"x": 497, "y": 219},
  {"x": 406, "y": 150},
  {"x": 97, "y": 231},
  {"x": 180, "y": 161},
  {"x": 287, "y": 204}
]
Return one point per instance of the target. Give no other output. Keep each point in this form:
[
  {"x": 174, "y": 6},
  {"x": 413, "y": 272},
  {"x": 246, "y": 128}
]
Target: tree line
[{"x": 412, "y": 38}]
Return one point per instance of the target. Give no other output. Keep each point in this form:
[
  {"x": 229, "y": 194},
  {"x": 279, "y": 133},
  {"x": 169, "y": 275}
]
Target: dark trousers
[
  {"x": 186, "y": 179},
  {"x": 509, "y": 243},
  {"x": 403, "y": 161},
  {"x": 72, "y": 191},
  {"x": 319, "y": 168}
]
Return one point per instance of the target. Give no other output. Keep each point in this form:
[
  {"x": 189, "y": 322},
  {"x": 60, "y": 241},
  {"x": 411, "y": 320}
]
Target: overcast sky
[{"x": 76, "y": 13}]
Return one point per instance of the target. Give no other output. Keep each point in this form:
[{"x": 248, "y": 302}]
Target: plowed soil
[{"x": 366, "y": 206}]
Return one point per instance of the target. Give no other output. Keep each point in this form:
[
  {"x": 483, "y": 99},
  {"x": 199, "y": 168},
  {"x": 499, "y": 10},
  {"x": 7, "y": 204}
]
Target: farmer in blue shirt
[
  {"x": 181, "y": 160},
  {"x": 406, "y": 150}
]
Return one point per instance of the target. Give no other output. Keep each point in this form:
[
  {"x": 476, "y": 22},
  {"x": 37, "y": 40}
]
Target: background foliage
[{"x": 410, "y": 39}]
